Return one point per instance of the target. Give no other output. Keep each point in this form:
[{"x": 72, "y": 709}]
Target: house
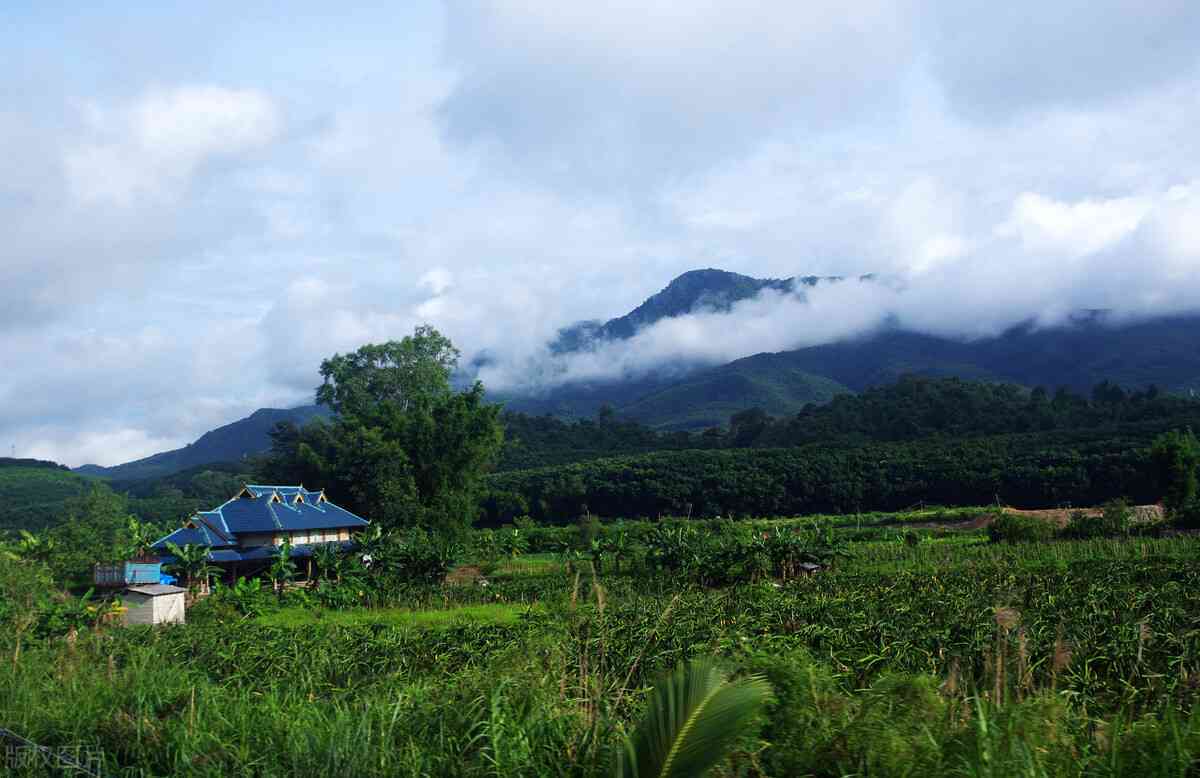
[
  {"x": 244, "y": 533},
  {"x": 154, "y": 604}
]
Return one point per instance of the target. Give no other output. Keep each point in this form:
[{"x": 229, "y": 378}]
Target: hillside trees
[
  {"x": 96, "y": 529},
  {"x": 405, "y": 448},
  {"x": 1176, "y": 455},
  {"x": 1082, "y": 467}
]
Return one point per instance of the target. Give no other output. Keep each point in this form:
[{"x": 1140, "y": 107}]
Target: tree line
[
  {"x": 1077, "y": 467},
  {"x": 913, "y": 408}
]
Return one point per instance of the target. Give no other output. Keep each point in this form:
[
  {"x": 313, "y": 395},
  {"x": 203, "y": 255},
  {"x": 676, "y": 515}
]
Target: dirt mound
[
  {"x": 1060, "y": 516},
  {"x": 1148, "y": 514}
]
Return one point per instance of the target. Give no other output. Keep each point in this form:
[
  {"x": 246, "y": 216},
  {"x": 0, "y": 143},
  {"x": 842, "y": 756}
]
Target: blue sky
[{"x": 202, "y": 201}]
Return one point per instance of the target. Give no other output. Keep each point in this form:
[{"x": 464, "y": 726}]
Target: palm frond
[{"x": 694, "y": 716}]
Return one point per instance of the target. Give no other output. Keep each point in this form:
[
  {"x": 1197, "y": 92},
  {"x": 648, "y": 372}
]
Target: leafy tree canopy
[
  {"x": 405, "y": 373},
  {"x": 405, "y": 449}
]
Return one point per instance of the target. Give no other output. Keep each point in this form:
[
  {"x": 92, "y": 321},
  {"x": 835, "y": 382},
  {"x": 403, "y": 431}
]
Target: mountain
[
  {"x": 708, "y": 289},
  {"x": 1078, "y": 355},
  {"x": 679, "y": 396},
  {"x": 696, "y": 290},
  {"x": 709, "y": 397},
  {"x": 230, "y": 443}
]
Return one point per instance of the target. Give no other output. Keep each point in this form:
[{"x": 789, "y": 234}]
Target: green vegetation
[
  {"x": 32, "y": 498},
  {"x": 492, "y": 614},
  {"x": 931, "y": 641},
  {"x": 93, "y": 526},
  {"x": 1029, "y": 470},
  {"x": 693, "y": 719},
  {"x": 1177, "y": 455},
  {"x": 709, "y": 398},
  {"x": 403, "y": 447},
  {"x": 1015, "y": 528},
  {"x": 936, "y": 658}
]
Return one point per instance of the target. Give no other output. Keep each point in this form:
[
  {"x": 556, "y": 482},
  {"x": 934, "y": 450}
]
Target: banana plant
[
  {"x": 329, "y": 560},
  {"x": 192, "y": 561},
  {"x": 694, "y": 717},
  {"x": 282, "y": 569},
  {"x": 619, "y": 546},
  {"x": 372, "y": 544},
  {"x": 139, "y": 536},
  {"x": 38, "y": 547}
]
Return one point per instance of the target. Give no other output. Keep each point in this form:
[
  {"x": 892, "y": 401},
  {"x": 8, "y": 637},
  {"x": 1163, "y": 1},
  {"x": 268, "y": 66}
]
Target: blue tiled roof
[
  {"x": 257, "y": 554},
  {"x": 261, "y": 509},
  {"x": 199, "y": 536}
]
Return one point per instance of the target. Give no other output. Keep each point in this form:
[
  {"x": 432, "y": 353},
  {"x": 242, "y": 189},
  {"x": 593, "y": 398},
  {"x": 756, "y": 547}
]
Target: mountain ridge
[
  {"x": 227, "y": 443},
  {"x": 1078, "y": 354}
]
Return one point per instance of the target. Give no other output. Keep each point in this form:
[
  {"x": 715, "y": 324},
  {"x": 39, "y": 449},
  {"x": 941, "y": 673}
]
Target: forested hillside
[
  {"x": 33, "y": 492},
  {"x": 1078, "y": 467},
  {"x": 910, "y": 409},
  {"x": 933, "y": 440},
  {"x": 710, "y": 397},
  {"x": 1077, "y": 355}
]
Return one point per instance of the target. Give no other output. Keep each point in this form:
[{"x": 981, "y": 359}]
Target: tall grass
[{"x": 946, "y": 657}]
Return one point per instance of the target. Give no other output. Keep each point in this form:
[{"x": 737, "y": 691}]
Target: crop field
[{"x": 914, "y": 650}]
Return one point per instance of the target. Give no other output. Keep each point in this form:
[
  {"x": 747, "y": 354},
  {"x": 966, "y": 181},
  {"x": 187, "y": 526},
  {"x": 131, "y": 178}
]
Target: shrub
[
  {"x": 247, "y": 597},
  {"x": 1015, "y": 528},
  {"x": 416, "y": 555},
  {"x": 1116, "y": 521}
]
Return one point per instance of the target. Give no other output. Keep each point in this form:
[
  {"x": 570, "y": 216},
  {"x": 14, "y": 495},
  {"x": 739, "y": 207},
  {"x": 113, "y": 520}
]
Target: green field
[
  {"x": 486, "y": 615},
  {"x": 922, "y": 651}
]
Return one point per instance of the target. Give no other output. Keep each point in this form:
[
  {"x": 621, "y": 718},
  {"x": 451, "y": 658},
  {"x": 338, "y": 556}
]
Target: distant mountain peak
[{"x": 695, "y": 290}]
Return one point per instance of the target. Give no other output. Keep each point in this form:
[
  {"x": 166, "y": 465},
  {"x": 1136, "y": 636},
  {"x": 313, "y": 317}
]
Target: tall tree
[
  {"x": 405, "y": 449},
  {"x": 406, "y": 374}
]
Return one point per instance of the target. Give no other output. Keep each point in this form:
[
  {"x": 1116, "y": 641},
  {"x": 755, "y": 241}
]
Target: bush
[
  {"x": 1015, "y": 528},
  {"x": 1116, "y": 521},
  {"x": 247, "y": 597},
  {"x": 416, "y": 556}
]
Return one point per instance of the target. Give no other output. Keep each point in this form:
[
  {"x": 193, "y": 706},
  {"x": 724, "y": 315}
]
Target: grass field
[
  {"x": 493, "y": 614},
  {"x": 947, "y": 655}
]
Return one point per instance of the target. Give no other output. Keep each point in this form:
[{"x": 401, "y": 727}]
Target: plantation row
[{"x": 1084, "y": 467}]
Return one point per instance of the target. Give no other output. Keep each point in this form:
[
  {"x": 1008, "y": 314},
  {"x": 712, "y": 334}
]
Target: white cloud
[
  {"x": 621, "y": 95},
  {"x": 106, "y": 446},
  {"x": 151, "y": 146},
  {"x": 1072, "y": 229},
  {"x": 437, "y": 280}
]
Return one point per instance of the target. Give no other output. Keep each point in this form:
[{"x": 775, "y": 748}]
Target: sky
[{"x": 200, "y": 202}]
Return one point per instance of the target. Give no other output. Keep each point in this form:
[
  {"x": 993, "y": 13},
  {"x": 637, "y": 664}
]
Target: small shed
[{"x": 154, "y": 604}]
